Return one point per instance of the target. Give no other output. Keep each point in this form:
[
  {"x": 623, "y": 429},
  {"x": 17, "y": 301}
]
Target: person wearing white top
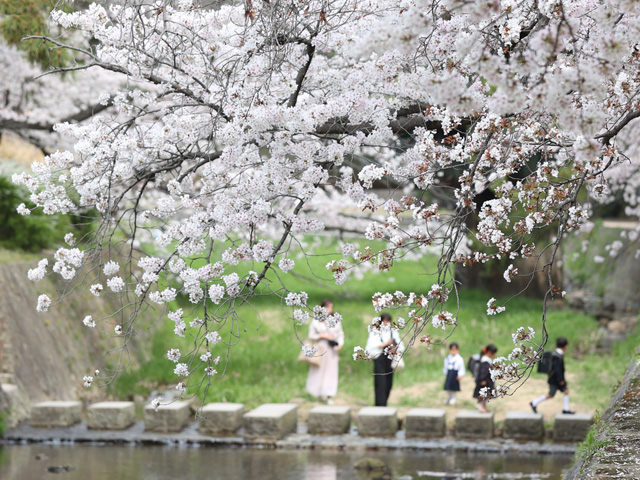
[
  {"x": 383, "y": 341},
  {"x": 454, "y": 371}
]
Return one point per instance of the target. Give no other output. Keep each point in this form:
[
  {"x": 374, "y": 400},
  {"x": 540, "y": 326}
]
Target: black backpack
[
  {"x": 544, "y": 365},
  {"x": 473, "y": 365}
]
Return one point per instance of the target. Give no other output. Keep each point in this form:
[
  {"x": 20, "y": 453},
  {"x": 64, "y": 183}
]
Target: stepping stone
[
  {"x": 329, "y": 419},
  {"x": 111, "y": 415},
  {"x": 523, "y": 426},
  {"x": 425, "y": 423},
  {"x": 55, "y": 414},
  {"x": 168, "y": 418},
  {"x": 7, "y": 387},
  {"x": 470, "y": 423},
  {"x": 270, "y": 421},
  {"x": 15, "y": 404},
  {"x": 377, "y": 422},
  {"x": 220, "y": 418},
  {"x": 571, "y": 428}
]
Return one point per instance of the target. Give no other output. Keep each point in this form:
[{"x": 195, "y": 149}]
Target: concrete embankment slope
[
  {"x": 614, "y": 450},
  {"x": 47, "y": 354}
]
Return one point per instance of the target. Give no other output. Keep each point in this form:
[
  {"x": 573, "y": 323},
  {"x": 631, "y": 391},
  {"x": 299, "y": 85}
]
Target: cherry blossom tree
[
  {"x": 239, "y": 128},
  {"x": 31, "y": 104}
]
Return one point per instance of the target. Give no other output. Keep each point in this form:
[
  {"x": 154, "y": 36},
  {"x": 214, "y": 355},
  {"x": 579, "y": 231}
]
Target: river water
[{"x": 116, "y": 462}]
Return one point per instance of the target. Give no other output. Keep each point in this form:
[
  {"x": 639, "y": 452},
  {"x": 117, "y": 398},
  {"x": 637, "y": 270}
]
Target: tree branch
[
  {"x": 609, "y": 134},
  {"x": 48, "y": 127},
  {"x": 405, "y": 124},
  {"x": 293, "y": 99},
  {"x": 118, "y": 69}
]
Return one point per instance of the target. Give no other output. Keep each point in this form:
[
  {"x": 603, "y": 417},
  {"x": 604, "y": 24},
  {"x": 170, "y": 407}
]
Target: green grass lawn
[{"x": 261, "y": 366}]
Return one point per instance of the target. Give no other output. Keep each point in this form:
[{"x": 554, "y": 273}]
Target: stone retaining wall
[
  {"x": 612, "y": 450},
  {"x": 38, "y": 353}
]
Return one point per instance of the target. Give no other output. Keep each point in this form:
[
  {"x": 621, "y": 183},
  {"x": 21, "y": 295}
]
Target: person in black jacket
[
  {"x": 483, "y": 378},
  {"x": 556, "y": 379}
]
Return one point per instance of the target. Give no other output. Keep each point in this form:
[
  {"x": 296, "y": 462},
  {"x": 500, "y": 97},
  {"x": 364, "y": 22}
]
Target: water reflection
[
  {"x": 20, "y": 462},
  {"x": 495, "y": 467},
  {"x": 321, "y": 471}
]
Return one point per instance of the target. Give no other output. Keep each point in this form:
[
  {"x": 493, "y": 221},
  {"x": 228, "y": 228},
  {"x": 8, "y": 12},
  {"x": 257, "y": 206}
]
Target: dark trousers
[{"x": 382, "y": 379}]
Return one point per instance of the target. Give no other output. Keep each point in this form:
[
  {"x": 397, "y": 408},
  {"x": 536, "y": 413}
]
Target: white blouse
[
  {"x": 377, "y": 338},
  {"x": 454, "y": 362},
  {"x": 316, "y": 328}
]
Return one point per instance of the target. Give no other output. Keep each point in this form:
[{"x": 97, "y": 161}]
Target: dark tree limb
[
  {"x": 612, "y": 132},
  {"x": 80, "y": 116}
]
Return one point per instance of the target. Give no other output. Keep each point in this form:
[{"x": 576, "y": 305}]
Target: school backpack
[
  {"x": 473, "y": 365},
  {"x": 544, "y": 365}
]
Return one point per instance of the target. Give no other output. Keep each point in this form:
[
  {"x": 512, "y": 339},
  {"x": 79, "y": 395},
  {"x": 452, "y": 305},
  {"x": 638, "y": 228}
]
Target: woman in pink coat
[{"x": 322, "y": 381}]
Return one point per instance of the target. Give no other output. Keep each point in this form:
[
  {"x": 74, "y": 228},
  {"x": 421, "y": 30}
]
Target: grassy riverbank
[{"x": 262, "y": 364}]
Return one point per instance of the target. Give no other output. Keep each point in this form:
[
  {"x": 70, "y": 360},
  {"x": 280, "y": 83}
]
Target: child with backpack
[
  {"x": 454, "y": 371},
  {"x": 483, "y": 378},
  {"x": 556, "y": 378}
]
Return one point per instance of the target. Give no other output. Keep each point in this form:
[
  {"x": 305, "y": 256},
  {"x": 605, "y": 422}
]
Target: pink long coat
[{"x": 323, "y": 380}]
